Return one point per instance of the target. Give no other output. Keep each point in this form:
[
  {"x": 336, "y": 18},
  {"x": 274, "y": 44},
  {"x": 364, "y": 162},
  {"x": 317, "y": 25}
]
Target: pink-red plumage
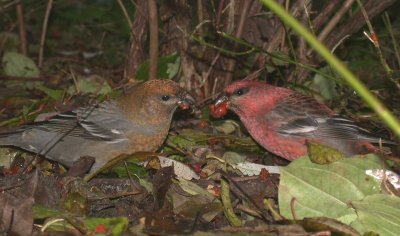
[{"x": 283, "y": 120}]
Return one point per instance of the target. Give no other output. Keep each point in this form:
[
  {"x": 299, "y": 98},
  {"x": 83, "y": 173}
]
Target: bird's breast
[{"x": 147, "y": 138}]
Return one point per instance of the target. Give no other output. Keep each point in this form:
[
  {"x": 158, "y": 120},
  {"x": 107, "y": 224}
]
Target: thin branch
[
  {"x": 239, "y": 31},
  {"x": 374, "y": 39},
  {"x": 394, "y": 41},
  {"x": 219, "y": 13},
  {"x": 21, "y": 27},
  {"x": 44, "y": 31},
  {"x": 128, "y": 19},
  {"x": 153, "y": 25},
  {"x": 325, "y": 14},
  {"x": 136, "y": 54},
  {"x": 335, "y": 19}
]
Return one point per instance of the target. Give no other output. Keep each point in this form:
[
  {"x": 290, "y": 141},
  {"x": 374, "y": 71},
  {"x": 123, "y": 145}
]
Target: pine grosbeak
[
  {"x": 137, "y": 121},
  {"x": 282, "y": 120}
]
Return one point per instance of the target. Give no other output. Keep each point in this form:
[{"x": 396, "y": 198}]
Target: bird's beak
[
  {"x": 223, "y": 98},
  {"x": 186, "y": 100}
]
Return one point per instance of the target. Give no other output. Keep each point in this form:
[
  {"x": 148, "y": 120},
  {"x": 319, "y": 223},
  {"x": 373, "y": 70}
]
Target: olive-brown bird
[{"x": 137, "y": 121}]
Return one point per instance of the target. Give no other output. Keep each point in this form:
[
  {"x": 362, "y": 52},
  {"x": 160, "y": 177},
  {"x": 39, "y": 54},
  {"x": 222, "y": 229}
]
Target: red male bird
[{"x": 282, "y": 120}]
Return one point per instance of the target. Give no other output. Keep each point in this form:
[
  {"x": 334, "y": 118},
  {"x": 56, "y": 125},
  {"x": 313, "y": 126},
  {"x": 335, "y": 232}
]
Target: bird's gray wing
[
  {"x": 299, "y": 115},
  {"x": 104, "y": 121}
]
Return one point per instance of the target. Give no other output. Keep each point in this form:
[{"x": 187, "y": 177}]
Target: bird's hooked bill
[
  {"x": 186, "y": 100},
  {"x": 222, "y": 99},
  {"x": 219, "y": 108}
]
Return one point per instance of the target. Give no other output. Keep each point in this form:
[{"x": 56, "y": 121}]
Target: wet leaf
[
  {"x": 90, "y": 85},
  {"x": 233, "y": 157},
  {"x": 227, "y": 127},
  {"x": 327, "y": 224},
  {"x": 322, "y": 154},
  {"x": 134, "y": 158},
  {"x": 173, "y": 68},
  {"x": 115, "y": 226},
  {"x": 197, "y": 200},
  {"x": 42, "y": 212},
  {"x": 75, "y": 202},
  {"x": 16, "y": 216},
  {"x": 180, "y": 169},
  {"x": 134, "y": 169},
  {"x": 55, "y": 94},
  {"x": 16, "y": 64},
  {"x": 163, "y": 70},
  {"x": 311, "y": 190},
  {"x": 378, "y": 213},
  {"x": 325, "y": 86}
]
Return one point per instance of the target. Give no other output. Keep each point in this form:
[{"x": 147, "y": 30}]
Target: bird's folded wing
[
  {"x": 98, "y": 122},
  {"x": 329, "y": 127},
  {"x": 314, "y": 121}
]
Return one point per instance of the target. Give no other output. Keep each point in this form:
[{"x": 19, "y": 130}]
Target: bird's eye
[
  {"x": 241, "y": 91},
  {"x": 165, "y": 97}
]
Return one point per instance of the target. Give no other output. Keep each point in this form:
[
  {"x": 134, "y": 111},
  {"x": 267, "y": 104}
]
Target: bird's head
[
  {"x": 159, "y": 98},
  {"x": 245, "y": 98}
]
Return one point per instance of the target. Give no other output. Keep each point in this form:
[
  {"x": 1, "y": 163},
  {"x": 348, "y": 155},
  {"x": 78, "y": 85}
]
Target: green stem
[
  {"x": 226, "y": 201},
  {"x": 350, "y": 78}
]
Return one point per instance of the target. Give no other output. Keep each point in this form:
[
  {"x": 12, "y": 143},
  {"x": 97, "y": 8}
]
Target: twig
[
  {"x": 200, "y": 14},
  {"x": 292, "y": 202},
  {"x": 128, "y": 19},
  {"x": 44, "y": 31},
  {"x": 8, "y": 5},
  {"x": 394, "y": 41},
  {"x": 226, "y": 202},
  {"x": 21, "y": 27},
  {"x": 153, "y": 25},
  {"x": 136, "y": 54},
  {"x": 325, "y": 14},
  {"x": 239, "y": 31},
  {"x": 373, "y": 37},
  {"x": 335, "y": 19},
  {"x": 355, "y": 22},
  {"x": 219, "y": 13}
]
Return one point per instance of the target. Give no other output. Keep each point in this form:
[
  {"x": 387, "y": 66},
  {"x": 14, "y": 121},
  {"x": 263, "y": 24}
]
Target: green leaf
[
  {"x": 116, "y": 225},
  {"x": 313, "y": 190},
  {"x": 322, "y": 154},
  {"x": 278, "y": 59},
  {"x": 326, "y": 87},
  {"x": 42, "y": 212},
  {"x": 75, "y": 202},
  {"x": 122, "y": 171},
  {"x": 378, "y": 213},
  {"x": 55, "y": 94},
  {"x": 173, "y": 68},
  {"x": 16, "y": 64},
  {"x": 227, "y": 126},
  {"x": 233, "y": 157},
  {"x": 163, "y": 68},
  {"x": 90, "y": 85}
]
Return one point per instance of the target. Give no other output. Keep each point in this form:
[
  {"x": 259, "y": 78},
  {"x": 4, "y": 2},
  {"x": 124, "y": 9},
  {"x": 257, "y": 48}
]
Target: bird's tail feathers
[
  {"x": 374, "y": 139},
  {"x": 7, "y": 137}
]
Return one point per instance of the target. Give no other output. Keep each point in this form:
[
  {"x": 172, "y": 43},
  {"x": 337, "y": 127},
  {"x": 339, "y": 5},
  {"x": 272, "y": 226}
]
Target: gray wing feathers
[{"x": 103, "y": 121}]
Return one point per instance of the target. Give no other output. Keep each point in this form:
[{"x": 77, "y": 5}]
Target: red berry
[
  {"x": 203, "y": 124},
  {"x": 220, "y": 110},
  {"x": 100, "y": 229}
]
